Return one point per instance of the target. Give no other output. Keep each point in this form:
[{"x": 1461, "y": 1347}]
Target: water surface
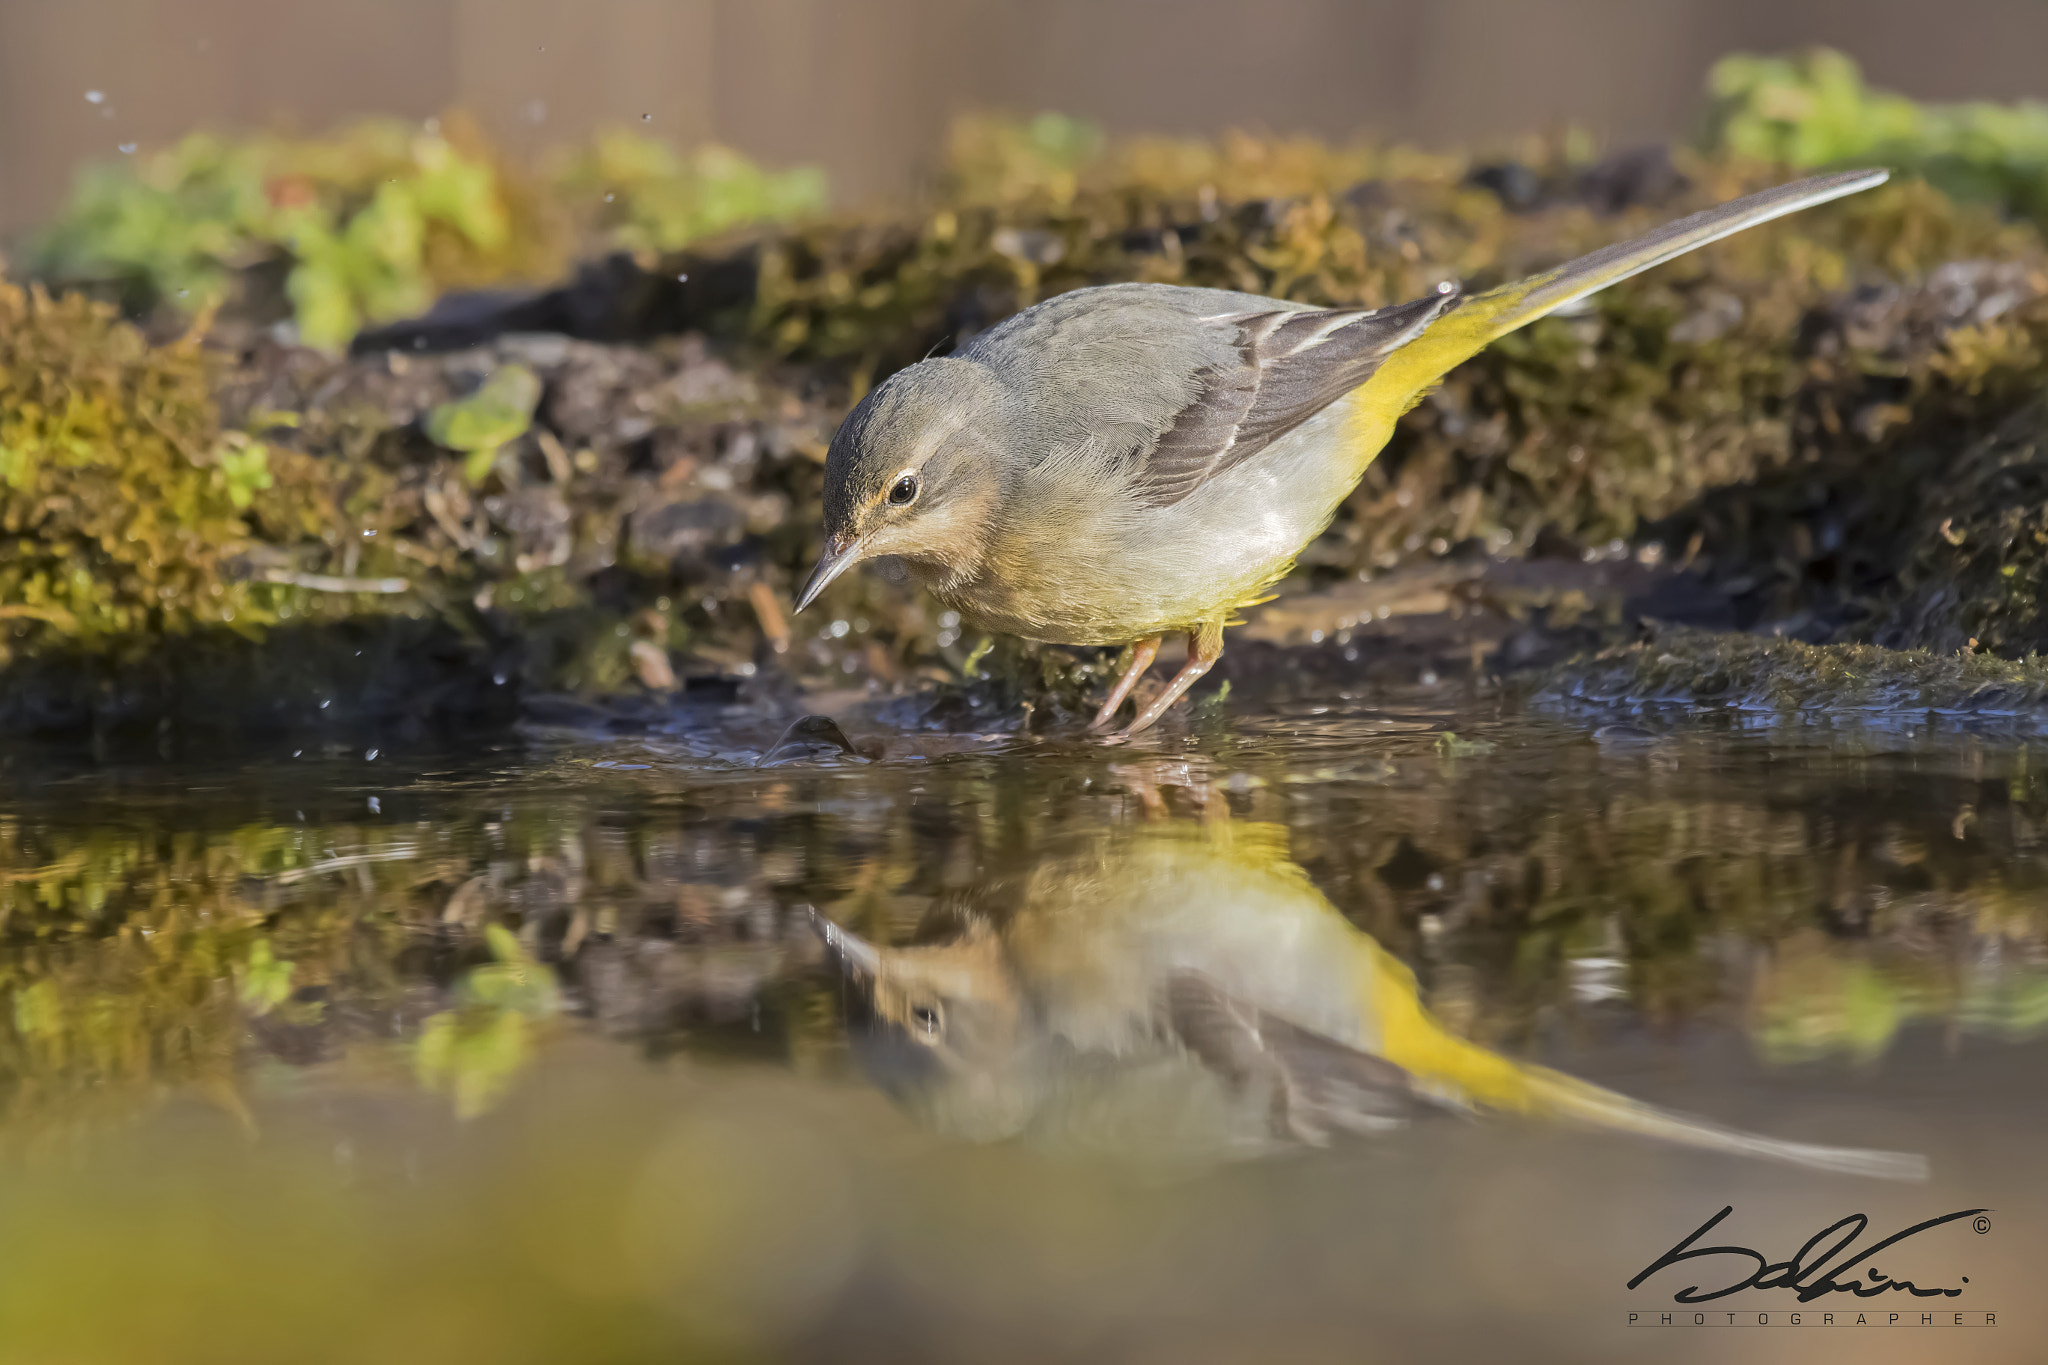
[{"x": 540, "y": 1052}]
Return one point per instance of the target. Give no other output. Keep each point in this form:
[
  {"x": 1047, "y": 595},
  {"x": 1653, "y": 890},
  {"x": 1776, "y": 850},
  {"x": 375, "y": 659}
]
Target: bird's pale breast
[{"x": 1098, "y": 566}]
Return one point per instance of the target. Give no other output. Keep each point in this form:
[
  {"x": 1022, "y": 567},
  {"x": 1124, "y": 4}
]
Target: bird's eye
[
  {"x": 926, "y": 1017},
  {"x": 905, "y": 491}
]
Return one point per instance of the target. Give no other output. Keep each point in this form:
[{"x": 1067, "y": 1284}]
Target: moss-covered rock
[
  {"x": 1754, "y": 672},
  {"x": 122, "y": 503},
  {"x": 1807, "y": 416}
]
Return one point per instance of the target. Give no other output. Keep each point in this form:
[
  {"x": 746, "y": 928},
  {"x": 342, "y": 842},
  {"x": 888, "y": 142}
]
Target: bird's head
[
  {"x": 943, "y": 1028},
  {"x": 915, "y": 472}
]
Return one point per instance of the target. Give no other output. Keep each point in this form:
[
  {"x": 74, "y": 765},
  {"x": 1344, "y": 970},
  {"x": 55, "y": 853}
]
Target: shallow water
[{"x": 540, "y": 1053}]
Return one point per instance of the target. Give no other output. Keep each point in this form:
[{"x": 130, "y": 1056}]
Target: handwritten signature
[{"x": 1797, "y": 1274}]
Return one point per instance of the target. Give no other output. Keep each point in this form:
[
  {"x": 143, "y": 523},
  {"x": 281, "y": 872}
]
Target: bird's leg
[
  {"x": 1205, "y": 647},
  {"x": 1143, "y": 652}
]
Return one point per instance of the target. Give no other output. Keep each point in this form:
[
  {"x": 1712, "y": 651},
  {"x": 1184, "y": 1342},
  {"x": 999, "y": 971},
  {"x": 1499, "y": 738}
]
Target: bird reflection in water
[{"x": 1182, "y": 988}]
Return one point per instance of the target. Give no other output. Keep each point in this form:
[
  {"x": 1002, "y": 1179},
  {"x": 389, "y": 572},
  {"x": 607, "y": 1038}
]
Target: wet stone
[{"x": 808, "y": 740}]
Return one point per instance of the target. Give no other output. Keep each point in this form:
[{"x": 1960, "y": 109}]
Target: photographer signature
[{"x": 1797, "y": 1273}]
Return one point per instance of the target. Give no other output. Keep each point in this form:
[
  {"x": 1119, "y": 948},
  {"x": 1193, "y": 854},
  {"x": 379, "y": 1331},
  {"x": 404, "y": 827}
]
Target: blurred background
[{"x": 865, "y": 89}]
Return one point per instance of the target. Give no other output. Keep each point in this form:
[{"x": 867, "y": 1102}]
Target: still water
[{"x": 1399, "y": 1031}]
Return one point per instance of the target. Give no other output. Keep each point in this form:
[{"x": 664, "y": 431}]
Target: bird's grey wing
[
  {"x": 1314, "y": 1085},
  {"x": 1283, "y": 368}
]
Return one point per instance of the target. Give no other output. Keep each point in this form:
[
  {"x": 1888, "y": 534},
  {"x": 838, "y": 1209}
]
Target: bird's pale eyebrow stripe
[{"x": 1336, "y": 322}]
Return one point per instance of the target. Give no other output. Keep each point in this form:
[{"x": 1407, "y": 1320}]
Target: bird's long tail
[
  {"x": 1460, "y": 1070},
  {"x": 1462, "y": 331}
]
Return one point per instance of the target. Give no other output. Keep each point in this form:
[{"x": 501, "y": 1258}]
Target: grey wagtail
[
  {"x": 1124, "y": 462},
  {"x": 1183, "y": 989}
]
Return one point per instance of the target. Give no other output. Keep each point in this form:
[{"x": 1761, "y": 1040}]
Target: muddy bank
[
  {"x": 1776, "y": 675},
  {"x": 1824, "y": 430}
]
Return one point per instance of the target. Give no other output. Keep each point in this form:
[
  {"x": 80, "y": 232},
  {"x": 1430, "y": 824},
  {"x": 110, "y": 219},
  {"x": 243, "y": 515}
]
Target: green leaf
[
  {"x": 501, "y": 410},
  {"x": 245, "y": 464},
  {"x": 263, "y": 983}
]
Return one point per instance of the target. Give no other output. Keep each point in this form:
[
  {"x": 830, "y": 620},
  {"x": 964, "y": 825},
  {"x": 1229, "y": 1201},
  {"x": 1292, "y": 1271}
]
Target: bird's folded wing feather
[
  {"x": 1315, "y": 1085},
  {"x": 1287, "y": 366}
]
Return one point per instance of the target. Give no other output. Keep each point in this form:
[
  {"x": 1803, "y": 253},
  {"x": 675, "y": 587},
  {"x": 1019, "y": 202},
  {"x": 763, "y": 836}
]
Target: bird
[
  {"x": 1181, "y": 988},
  {"x": 1124, "y": 462}
]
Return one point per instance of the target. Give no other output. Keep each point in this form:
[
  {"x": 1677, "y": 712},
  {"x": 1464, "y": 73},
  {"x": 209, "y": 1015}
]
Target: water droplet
[
  {"x": 127, "y": 149},
  {"x": 95, "y": 96},
  {"x": 647, "y": 118},
  {"x": 370, "y": 756},
  {"x": 376, "y": 806},
  {"x": 607, "y": 198},
  {"x": 682, "y": 279}
]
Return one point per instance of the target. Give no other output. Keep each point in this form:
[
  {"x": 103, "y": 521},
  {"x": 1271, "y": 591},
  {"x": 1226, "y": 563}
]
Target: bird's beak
[
  {"x": 840, "y": 554},
  {"x": 857, "y": 957}
]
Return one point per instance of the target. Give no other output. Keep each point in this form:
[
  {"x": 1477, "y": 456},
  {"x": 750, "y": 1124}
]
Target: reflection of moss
[
  {"x": 474, "y": 1050},
  {"x": 1813, "y": 1001},
  {"x": 144, "y": 948}
]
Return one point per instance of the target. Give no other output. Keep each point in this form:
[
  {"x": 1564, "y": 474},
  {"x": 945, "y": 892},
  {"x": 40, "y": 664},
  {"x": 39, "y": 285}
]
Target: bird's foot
[
  {"x": 1204, "y": 649},
  {"x": 1143, "y": 652}
]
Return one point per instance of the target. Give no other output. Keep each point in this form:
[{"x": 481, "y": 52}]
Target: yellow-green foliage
[
  {"x": 378, "y": 220},
  {"x": 1815, "y": 110},
  {"x": 120, "y": 501},
  {"x": 374, "y": 223},
  {"x": 377, "y": 225},
  {"x": 638, "y": 194}
]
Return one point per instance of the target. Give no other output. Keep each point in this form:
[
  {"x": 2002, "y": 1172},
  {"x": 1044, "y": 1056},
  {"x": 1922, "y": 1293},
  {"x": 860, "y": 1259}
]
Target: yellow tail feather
[
  {"x": 1413, "y": 370},
  {"x": 1411, "y": 1038}
]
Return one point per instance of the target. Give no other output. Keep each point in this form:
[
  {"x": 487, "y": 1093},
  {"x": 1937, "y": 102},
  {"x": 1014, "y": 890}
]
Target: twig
[
  {"x": 773, "y": 624},
  {"x": 437, "y": 508},
  {"x": 397, "y": 854},
  {"x": 56, "y": 616},
  {"x": 320, "y": 582}
]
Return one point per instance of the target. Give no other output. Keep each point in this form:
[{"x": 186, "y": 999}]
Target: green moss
[
  {"x": 1975, "y": 562},
  {"x": 121, "y": 504},
  {"x": 1761, "y": 673}
]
